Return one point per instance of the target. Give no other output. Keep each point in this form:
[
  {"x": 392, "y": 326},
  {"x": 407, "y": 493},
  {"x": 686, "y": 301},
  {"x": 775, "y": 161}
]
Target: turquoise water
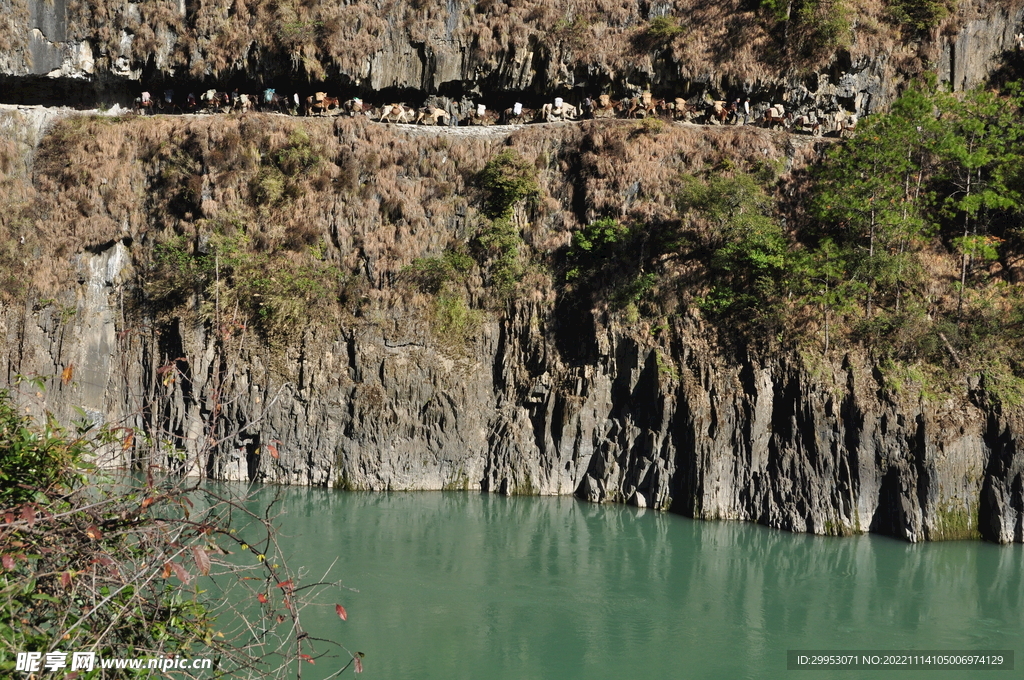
[{"x": 464, "y": 585}]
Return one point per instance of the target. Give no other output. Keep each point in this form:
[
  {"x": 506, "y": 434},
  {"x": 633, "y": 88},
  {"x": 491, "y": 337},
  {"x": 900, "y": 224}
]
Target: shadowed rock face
[
  {"x": 544, "y": 397},
  {"x": 491, "y": 51},
  {"x": 672, "y": 425}
]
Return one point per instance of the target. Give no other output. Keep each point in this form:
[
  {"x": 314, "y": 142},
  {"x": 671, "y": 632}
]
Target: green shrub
[
  {"x": 507, "y": 178},
  {"x": 663, "y": 29},
  {"x": 500, "y": 246},
  {"x": 433, "y": 274},
  {"x": 918, "y": 15},
  {"x": 593, "y": 246},
  {"x": 454, "y": 322},
  {"x": 34, "y": 461}
]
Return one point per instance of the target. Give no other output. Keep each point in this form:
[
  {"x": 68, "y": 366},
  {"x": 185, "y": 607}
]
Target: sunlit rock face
[{"x": 494, "y": 51}]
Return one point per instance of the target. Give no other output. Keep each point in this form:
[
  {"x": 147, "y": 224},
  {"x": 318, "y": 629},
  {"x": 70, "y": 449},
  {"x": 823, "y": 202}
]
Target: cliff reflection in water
[{"x": 464, "y": 585}]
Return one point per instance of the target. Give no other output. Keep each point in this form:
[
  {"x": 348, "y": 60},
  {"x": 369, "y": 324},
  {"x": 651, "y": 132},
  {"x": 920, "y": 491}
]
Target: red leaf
[
  {"x": 342, "y": 614},
  {"x": 8, "y": 561},
  {"x": 285, "y": 585},
  {"x": 359, "y": 664},
  {"x": 262, "y": 598},
  {"x": 180, "y": 572},
  {"x": 65, "y": 579},
  {"x": 202, "y": 560},
  {"x": 94, "y": 532},
  {"x": 8, "y": 516},
  {"x": 28, "y": 514},
  {"x": 148, "y": 501},
  {"x": 273, "y": 451},
  {"x": 128, "y": 441},
  {"x": 67, "y": 374},
  {"x": 307, "y": 657}
]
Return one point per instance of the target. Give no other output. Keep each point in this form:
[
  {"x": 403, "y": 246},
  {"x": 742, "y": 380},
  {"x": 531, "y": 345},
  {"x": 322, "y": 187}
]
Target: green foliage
[
  {"x": 269, "y": 187},
  {"x": 750, "y": 253},
  {"x": 919, "y": 16},
  {"x": 297, "y": 156},
  {"x": 454, "y": 322},
  {"x": 279, "y": 178},
  {"x": 500, "y": 246},
  {"x": 434, "y": 274},
  {"x": 273, "y": 291},
  {"x": 663, "y": 29},
  {"x": 91, "y": 563},
  {"x": 813, "y": 28},
  {"x": 507, "y": 178},
  {"x": 594, "y": 246},
  {"x": 868, "y": 197},
  {"x": 777, "y": 9},
  {"x": 35, "y": 461},
  {"x": 649, "y": 126},
  {"x": 573, "y": 34}
]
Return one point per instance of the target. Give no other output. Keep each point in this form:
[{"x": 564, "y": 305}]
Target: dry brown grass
[
  {"x": 719, "y": 41},
  {"x": 375, "y": 199},
  {"x": 13, "y": 15}
]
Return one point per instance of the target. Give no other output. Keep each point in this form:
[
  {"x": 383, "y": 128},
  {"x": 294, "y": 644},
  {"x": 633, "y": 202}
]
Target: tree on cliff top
[{"x": 113, "y": 566}]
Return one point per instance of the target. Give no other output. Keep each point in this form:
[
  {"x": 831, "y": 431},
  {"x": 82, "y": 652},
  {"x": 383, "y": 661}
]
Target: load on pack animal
[
  {"x": 432, "y": 114},
  {"x": 321, "y": 103},
  {"x": 397, "y": 113},
  {"x": 558, "y": 111}
]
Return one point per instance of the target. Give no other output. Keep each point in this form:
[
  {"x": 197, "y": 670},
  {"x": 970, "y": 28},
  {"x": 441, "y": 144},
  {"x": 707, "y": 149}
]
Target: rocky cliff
[
  {"x": 822, "y": 56},
  {"x": 323, "y": 362}
]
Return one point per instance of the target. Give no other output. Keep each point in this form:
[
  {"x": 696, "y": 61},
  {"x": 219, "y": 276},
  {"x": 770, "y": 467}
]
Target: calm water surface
[{"x": 464, "y": 585}]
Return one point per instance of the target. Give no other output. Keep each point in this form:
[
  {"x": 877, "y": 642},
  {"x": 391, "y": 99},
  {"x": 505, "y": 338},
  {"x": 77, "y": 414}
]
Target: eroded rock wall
[
  {"x": 493, "y": 51},
  {"x": 541, "y": 397}
]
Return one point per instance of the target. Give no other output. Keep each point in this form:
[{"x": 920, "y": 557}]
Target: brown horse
[
  {"x": 353, "y": 106},
  {"x": 718, "y": 111},
  {"x": 776, "y": 116},
  {"x": 143, "y": 105},
  {"x": 605, "y": 107},
  {"x": 510, "y": 117},
  {"x": 214, "y": 101},
  {"x": 681, "y": 110},
  {"x": 321, "y": 105},
  {"x": 807, "y": 123},
  {"x": 272, "y": 101}
]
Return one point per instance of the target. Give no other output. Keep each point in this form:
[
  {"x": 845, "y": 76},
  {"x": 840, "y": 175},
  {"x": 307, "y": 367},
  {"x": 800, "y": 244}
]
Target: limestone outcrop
[
  {"x": 490, "y": 51},
  {"x": 540, "y": 395}
]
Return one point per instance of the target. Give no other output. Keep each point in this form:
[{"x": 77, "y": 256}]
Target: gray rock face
[
  {"x": 44, "y": 46},
  {"x": 536, "y": 405},
  {"x": 443, "y": 56},
  {"x": 967, "y": 58}
]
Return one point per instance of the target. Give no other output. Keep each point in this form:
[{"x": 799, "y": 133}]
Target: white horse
[{"x": 558, "y": 111}]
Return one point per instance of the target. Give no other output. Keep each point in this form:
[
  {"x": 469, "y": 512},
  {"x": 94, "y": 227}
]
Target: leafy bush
[
  {"x": 918, "y": 15},
  {"x": 107, "y": 565},
  {"x": 663, "y": 29},
  {"x": 35, "y": 461},
  {"x": 433, "y": 274},
  {"x": 826, "y": 26},
  {"x": 500, "y": 246},
  {"x": 750, "y": 253},
  {"x": 507, "y": 178},
  {"x": 593, "y": 246}
]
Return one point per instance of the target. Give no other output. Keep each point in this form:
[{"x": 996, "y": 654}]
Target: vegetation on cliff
[
  {"x": 905, "y": 240},
  {"x": 749, "y": 39},
  {"x": 130, "y": 568}
]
